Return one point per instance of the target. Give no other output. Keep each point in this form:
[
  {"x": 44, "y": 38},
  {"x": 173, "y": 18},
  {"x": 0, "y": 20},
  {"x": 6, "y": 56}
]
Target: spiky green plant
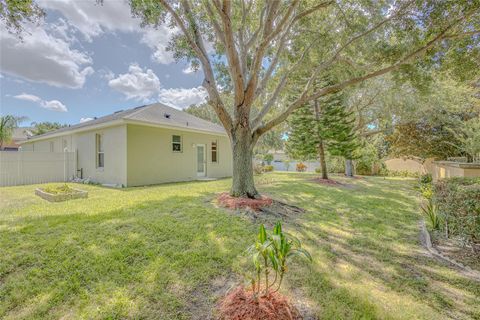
[
  {"x": 430, "y": 211},
  {"x": 271, "y": 254}
]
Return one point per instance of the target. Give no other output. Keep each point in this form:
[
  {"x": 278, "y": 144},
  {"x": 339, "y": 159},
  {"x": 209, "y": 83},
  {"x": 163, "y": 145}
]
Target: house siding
[
  {"x": 151, "y": 160},
  {"x": 115, "y": 169}
]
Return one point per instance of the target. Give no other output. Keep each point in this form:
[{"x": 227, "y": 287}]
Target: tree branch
[
  {"x": 337, "y": 53},
  {"x": 197, "y": 45},
  {"x": 235, "y": 69},
  {"x": 330, "y": 89}
]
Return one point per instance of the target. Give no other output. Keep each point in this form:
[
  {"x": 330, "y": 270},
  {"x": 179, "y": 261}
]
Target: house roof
[
  {"x": 153, "y": 114},
  {"x": 21, "y": 134}
]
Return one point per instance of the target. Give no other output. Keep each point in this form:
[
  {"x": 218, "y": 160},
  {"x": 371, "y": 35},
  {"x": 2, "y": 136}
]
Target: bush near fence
[{"x": 458, "y": 204}]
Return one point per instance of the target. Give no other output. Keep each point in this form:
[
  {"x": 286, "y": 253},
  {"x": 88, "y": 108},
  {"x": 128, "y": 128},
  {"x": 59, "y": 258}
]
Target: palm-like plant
[
  {"x": 7, "y": 124},
  {"x": 271, "y": 253}
]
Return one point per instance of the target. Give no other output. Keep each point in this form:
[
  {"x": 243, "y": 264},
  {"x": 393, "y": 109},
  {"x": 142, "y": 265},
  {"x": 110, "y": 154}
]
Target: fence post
[{"x": 65, "y": 165}]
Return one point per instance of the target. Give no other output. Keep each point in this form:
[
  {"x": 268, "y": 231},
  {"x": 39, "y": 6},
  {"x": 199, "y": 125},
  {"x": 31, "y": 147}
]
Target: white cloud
[
  {"x": 53, "y": 105},
  {"x": 137, "y": 84},
  {"x": 182, "y": 97},
  {"x": 157, "y": 40},
  {"x": 82, "y": 120},
  {"x": 92, "y": 19},
  {"x": 189, "y": 69},
  {"x": 42, "y": 57},
  {"x": 28, "y": 97}
]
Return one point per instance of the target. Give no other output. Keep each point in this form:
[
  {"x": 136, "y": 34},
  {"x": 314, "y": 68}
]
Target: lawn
[{"x": 167, "y": 252}]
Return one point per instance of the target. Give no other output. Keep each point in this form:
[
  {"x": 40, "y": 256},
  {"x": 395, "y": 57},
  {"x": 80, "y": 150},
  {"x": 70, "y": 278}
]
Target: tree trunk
[
  {"x": 348, "y": 168},
  {"x": 321, "y": 158},
  {"x": 321, "y": 149},
  {"x": 242, "y": 148}
]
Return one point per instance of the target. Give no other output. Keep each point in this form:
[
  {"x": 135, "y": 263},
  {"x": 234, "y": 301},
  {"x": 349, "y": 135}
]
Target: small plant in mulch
[{"x": 270, "y": 255}]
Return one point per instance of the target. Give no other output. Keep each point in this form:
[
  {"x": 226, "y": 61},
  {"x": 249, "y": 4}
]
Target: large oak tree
[{"x": 253, "y": 48}]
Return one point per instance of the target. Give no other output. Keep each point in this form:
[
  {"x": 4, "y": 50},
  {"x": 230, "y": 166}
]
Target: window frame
[
  {"x": 177, "y": 143},
  {"x": 99, "y": 143},
  {"x": 212, "y": 151}
]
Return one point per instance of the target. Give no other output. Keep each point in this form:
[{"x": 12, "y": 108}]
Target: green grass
[{"x": 164, "y": 252}]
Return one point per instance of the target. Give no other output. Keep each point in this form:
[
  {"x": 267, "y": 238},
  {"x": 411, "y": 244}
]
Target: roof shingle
[{"x": 156, "y": 113}]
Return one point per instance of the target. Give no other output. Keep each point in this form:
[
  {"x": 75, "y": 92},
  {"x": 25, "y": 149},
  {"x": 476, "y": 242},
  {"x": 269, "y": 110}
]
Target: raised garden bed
[{"x": 60, "y": 193}]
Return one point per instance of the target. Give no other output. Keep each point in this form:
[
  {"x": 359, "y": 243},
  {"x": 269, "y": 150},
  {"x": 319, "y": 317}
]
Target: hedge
[{"x": 458, "y": 203}]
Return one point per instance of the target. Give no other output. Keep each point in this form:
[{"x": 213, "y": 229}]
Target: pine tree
[{"x": 323, "y": 125}]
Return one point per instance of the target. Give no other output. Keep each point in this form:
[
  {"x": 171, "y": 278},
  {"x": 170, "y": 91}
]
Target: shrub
[
  {"x": 271, "y": 253},
  {"x": 318, "y": 170},
  {"x": 458, "y": 203},
  {"x": 335, "y": 164},
  {"x": 301, "y": 167},
  {"x": 268, "y": 168},
  {"x": 257, "y": 168},
  {"x": 425, "y": 178},
  {"x": 427, "y": 191},
  {"x": 268, "y": 158}
]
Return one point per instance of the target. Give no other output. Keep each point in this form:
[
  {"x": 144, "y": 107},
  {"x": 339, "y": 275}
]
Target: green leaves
[
  {"x": 271, "y": 254},
  {"x": 262, "y": 234}
]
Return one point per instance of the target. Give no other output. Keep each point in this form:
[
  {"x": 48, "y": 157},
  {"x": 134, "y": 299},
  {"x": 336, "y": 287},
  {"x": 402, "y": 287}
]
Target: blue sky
[{"x": 87, "y": 60}]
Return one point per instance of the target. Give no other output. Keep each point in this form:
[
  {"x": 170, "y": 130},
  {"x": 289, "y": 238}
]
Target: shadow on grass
[
  {"x": 369, "y": 236},
  {"x": 150, "y": 262},
  {"x": 154, "y": 258}
]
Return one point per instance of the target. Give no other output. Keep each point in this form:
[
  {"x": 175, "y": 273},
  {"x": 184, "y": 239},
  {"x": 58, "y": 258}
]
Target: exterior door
[{"x": 201, "y": 160}]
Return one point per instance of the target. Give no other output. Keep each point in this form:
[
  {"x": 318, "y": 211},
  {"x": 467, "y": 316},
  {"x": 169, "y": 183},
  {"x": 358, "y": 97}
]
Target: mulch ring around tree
[
  {"x": 329, "y": 182},
  {"x": 240, "y": 304},
  {"x": 264, "y": 205}
]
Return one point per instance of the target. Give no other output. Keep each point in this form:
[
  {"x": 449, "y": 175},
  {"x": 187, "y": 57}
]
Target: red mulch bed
[
  {"x": 357, "y": 177},
  {"x": 328, "y": 182},
  {"x": 241, "y": 305},
  {"x": 227, "y": 201}
]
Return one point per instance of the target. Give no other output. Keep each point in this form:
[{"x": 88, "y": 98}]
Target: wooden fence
[{"x": 31, "y": 167}]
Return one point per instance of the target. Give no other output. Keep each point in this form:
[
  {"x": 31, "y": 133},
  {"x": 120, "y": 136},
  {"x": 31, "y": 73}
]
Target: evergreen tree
[{"x": 322, "y": 126}]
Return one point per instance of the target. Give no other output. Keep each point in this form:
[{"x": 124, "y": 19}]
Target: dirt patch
[
  {"x": 426, "y": 241},
  {"x": 202, "y": 299},
  {"x": 227, "y": 201},
  {"x": 455, "y": 249},
  {"x": 328, "y": 182},
  {"x": 241, "y": 305},
  {"x": 281, "y": 209},
  {"x": 259, "y": 208}
]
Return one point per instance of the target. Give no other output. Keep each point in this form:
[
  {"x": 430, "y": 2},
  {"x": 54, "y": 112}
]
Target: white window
[
  {"x": 52, "y": 146},
  {"x": 214, "y": 151},
  {"x": 100, "y": 158},
  {"x": 176, "y": 143},
  {"x": 64, "y": 145}
]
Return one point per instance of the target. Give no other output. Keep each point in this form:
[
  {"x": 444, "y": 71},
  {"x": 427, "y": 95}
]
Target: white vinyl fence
[{"x": 30, "y": 167}]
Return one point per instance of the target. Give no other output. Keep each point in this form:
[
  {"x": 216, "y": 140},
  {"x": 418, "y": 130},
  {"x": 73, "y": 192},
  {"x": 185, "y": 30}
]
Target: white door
[{"x": 201, "y": 160}]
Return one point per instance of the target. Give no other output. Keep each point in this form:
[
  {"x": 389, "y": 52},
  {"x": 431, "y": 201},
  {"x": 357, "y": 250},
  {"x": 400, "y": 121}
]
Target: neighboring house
[
  {"x": 146, "y": 145},
  {"x": 19, "y": 135}
]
